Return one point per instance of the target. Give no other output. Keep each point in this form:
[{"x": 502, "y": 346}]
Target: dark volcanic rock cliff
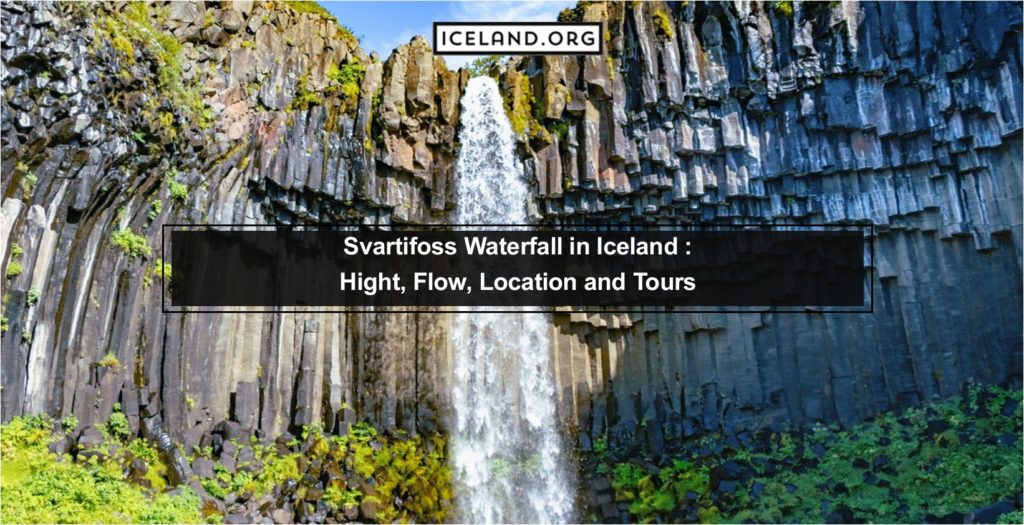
[{"x": 118, "y": 119}]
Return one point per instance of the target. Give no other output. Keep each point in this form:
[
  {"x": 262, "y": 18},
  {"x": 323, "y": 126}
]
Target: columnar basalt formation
[{"x": 118, "y": 119}]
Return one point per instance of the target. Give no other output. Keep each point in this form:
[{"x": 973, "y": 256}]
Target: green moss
[
  {"x": 131, "y": 244},
  {"x": 345, "y": 81},
  {"x": 109, "y": 360},
  {"x": 132, "y": 30},
  {"x": 28, "y": 179},
  {"x": 33, "y": 296},
  {"x": 519, "y": 104},
  {"x": 304, "y": 97},
  {"x": 42, "y": 487},
  {"x": 14, "y": 263},
  {"x": 162, "y": 270},
  {"x": 13, "y": 269},
  {"x": 663, "y": 24},
  {"x": 305, "y": 6},
  {"x": 155, "y": 207},
  {"x": 783, "y": 7},
  {"x": 176, "y": 190},
  {"x": 409, "y": 475}
]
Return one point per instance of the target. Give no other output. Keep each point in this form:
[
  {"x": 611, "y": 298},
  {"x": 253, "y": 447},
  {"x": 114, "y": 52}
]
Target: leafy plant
[
  {"x": 482, "y": 65},
  {"x": 33, "y": 296},
  {"x": 13, "y": 269},
  {"x": 131, "y": 244},
  {"x": 14, "y": 263}
]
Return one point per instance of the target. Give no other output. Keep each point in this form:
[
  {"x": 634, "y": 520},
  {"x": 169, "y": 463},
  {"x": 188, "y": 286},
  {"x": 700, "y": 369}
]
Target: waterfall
[{"x": 506, "y": 448}]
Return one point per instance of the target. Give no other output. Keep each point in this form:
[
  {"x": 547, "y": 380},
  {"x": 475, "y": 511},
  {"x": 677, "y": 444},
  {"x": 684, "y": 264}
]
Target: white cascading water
[{"x": 506, "y": 448}]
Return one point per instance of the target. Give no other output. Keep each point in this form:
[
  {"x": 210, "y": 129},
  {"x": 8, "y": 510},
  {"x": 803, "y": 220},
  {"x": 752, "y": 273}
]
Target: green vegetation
[
  {"x": 482, "y": 65},
  {"x": 305, "y": 6},
  {"x": 133, "y": 34},
  {"x": 33, "y": 296},
  {"x": 14, "y": 263},
  {"x": 304, "y": 97},
  {"x": 162, "y": 270},
  {"x": 42, "y": 487},
  {"x": 783, "y": 7},
  {"x": 572, "y": 14},
  {"x": 155, "y": 207},
  {"x": 406, "y": 477},
  {"x": 28, "y": 178},
  {"x": 177, "y": 190},
  {"x": 663, "y": 24},
  {"x": 519, "y": 104},
  {"x": 131, "y": 244},
  {"x": 346, "y": 81},
  {"x": 13, "y": 269},
  {"x": 109, "y": 360},
  {"x": 941, "y": 459}
]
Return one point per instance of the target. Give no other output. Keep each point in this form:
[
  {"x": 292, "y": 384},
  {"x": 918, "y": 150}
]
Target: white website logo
[{"x": 518, "y": 38}]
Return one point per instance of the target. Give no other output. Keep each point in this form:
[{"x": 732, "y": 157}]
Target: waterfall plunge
[{"x": 506, "y": 450}]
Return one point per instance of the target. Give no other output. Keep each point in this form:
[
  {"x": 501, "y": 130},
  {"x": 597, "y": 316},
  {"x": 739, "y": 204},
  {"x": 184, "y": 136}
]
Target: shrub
[
  {"x": 117, "y": 427},
  {"x": 482, "y": 65},
  {"x": 131, "y": 244}
]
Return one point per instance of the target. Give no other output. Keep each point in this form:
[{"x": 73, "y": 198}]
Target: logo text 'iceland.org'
[{"x": 517, "y": 38}]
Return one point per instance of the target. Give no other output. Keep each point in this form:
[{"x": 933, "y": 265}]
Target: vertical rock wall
[
  {"x": 108, "y": 128},
  {"x": 904, "y": 115}
]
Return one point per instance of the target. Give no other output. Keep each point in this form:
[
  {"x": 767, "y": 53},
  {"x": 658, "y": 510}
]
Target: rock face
[{"x": 119, "y": 119}]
